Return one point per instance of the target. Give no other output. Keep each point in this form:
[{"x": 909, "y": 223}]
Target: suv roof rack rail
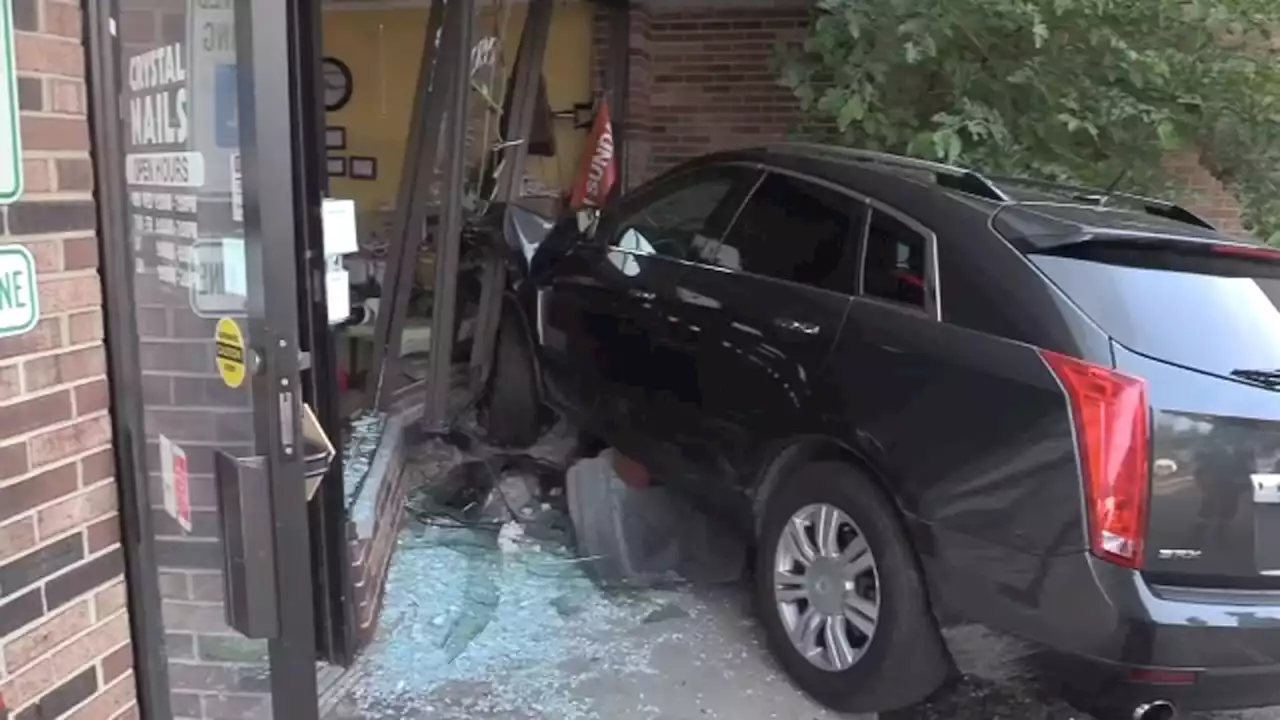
[
  {"x": 1152, "y": 206},
  {"x": 988, "y": 186},
  {"x": 958, "y": 178}
]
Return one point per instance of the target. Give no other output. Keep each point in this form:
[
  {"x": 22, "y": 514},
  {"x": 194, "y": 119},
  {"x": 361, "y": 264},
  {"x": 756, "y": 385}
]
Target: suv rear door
[
  {"x": 888, "y": 352},
  {"x": 1200, "y": 323}
]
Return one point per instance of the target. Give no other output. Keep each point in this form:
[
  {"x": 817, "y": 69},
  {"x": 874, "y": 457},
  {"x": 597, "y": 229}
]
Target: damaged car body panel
[{"x": 703, "y": 356}]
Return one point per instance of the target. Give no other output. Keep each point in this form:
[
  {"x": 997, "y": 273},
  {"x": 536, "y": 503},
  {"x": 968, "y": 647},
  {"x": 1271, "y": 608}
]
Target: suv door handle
[
  {"x": 798, "y": 326},
  {"x": 641, "y": 294}
]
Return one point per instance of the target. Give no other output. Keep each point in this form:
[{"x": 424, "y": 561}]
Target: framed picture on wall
[
  {"x": 335, "y": 138},
  {"x": 364, "y": 168},
  {"x": 337, "y": 167}
]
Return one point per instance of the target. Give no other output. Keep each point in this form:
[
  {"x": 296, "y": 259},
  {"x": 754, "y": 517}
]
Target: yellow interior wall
[{"x": 383, "y": 48}]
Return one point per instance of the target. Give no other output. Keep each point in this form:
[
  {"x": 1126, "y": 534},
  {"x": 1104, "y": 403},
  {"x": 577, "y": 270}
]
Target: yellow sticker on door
[{"x": 230, "y": 352}]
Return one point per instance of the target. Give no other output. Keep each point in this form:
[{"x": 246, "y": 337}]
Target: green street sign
[
  {"x": 10, "y": 135},
  {"x": 19, "y": 300}
]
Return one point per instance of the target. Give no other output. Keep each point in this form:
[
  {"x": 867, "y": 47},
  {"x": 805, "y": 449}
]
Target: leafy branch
[{"x": 1083, "y": 91}]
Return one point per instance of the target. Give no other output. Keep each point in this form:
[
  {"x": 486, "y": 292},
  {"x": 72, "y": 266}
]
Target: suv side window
[
  {"x": 895, "y": 264},
  {"x": 795, "y": 230},
  {"x": 686, "y": 223}
]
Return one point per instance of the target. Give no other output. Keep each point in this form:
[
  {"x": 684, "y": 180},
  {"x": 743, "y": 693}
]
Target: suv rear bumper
[
  {"x": 1103, "y": 687},
  {"x": 1198, "y": 649},
  {"x": 1109, "y": 635}
]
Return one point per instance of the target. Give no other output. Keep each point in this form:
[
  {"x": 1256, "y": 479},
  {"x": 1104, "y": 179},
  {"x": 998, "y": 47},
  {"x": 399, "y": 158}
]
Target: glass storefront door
[{"x": 206, "y": 155}]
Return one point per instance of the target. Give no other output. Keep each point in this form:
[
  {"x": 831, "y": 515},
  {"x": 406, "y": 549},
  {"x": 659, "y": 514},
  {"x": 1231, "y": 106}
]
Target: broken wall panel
[
  {"x": 410, "y": 216},
  {"x": 525, "y": 79},
  {"x": 449, "y": 237}
]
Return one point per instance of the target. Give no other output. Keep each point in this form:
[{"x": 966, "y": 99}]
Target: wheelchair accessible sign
[
  {"x": 19, "y": 300},
  {"x": 10, "y": 145}
]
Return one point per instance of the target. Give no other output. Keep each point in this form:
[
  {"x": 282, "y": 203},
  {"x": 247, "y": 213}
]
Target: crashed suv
[{"x": 932, "y": 397}]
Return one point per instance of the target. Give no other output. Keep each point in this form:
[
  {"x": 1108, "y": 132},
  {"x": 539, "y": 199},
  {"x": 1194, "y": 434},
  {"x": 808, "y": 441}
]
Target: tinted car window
[
  {"x": 682, "y": 224},
  {"x": 1215, "y": 314},
  {"x": 895, "y": 261},
  {"x": 793, "y": 230}
]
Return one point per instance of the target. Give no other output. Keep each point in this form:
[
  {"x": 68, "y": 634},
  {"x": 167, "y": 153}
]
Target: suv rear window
[{"x": 1185, "y": 304}]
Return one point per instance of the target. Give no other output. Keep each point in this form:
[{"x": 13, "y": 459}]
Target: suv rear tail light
[
  {"x": 1247, "y": 251},
  {"x": 1111, "y": 414}
]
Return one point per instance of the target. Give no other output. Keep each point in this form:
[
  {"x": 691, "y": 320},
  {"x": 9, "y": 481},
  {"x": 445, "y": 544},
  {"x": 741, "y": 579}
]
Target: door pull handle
[
  {"x": 641, "y": 294},
  {"x": 798, "y": 326}
]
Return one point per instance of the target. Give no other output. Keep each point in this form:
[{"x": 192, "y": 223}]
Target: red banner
[{"x": 598, "y": 171}]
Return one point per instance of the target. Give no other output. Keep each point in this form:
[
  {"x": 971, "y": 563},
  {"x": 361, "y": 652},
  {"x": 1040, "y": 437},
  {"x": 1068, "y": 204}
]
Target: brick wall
[
  {"x": 702, "y": 80},
  {"x": 637, "y": 132},
  {"x": 64, "y": 627},
  {"x": 713, "y": 83},
  {"x": 1204, "y": 194}
]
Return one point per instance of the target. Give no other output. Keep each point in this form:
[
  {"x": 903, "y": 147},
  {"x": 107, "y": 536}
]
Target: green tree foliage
[{"x": 1076, "y": 90}]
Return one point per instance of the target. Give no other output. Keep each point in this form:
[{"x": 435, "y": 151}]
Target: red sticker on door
[{"x": 176, "y": 482}]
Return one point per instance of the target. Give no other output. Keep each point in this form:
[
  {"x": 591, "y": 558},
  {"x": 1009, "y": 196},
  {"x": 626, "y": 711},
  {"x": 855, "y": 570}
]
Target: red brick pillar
[
  {"x": 1204, "y": 194},
  {"x": 64, "y": 625},
  {"x": 639, "y": 76},
  {"x": 635, "y": 125}
]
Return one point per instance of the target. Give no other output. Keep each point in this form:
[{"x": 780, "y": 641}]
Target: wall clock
[{"x": 337, "y": 84}]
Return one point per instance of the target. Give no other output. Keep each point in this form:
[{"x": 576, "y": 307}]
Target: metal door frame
[
  {"x": 273, "y": 41},
  {"x": 103, "y": 83},
  {"x": 268, "y": 38},
  {"x": 334, "y": 601}
]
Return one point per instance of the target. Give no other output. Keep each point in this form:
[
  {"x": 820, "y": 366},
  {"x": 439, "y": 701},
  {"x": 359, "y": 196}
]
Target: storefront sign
[
  {"x": 163, "y": 174},
  {"x": 19, "y": 300},
  {"x": 167, "y": 170},
  {"x": 176, "y": 481},
  {"x": 231, "y": 353},
  {"x": 10, "y": 145}
]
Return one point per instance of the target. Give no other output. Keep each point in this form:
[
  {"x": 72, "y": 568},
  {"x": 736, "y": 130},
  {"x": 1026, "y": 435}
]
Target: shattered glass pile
[
  {"x": 485, "y": 601},
  {"x": 358, "y": 449},
  {"x": 489, "y": 614}
]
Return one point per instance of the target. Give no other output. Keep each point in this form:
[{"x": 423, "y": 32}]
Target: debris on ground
[
  {"x": 490, "y": 613},
  {"x": 975, "y": 698},
  {"x": 646, "y": 535},
  {"x": 471, "y": 633},
  {"x": 467, "y": 605},
  {"x": 509, "y": 537},
  {"x": 484, "y": 588},
  {"x": 670, "y": 611}
]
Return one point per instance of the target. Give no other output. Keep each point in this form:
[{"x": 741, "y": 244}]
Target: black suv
[{"x": 932, "y": 395}]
